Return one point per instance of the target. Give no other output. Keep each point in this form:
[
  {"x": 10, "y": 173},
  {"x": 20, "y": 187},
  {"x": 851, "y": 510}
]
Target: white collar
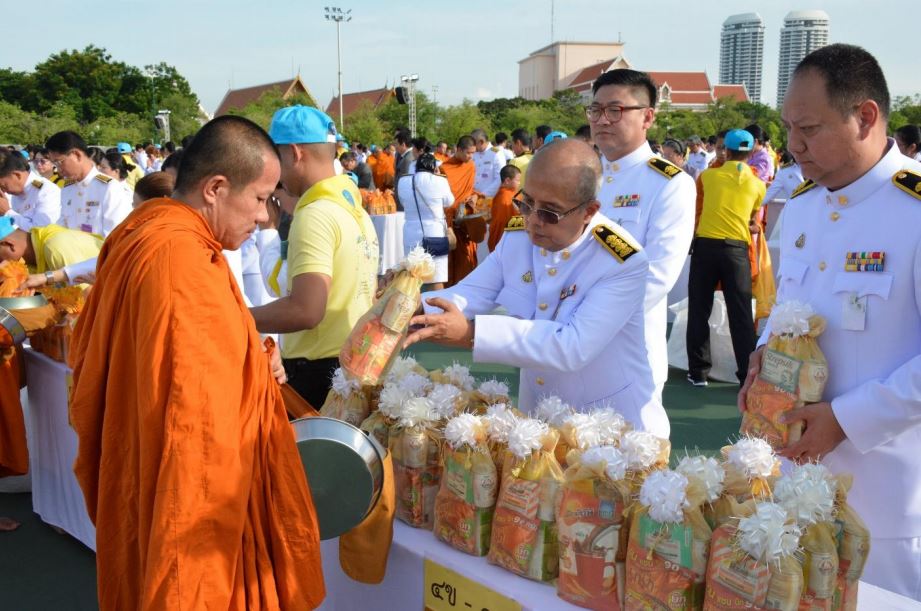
[
  {"x": 86, "y": 179},
  {"x": 640, "y": 155},
  {"x": 872, "y": 181}
]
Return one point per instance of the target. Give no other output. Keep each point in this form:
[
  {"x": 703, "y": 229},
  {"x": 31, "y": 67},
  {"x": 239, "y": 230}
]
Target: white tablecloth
[
  {"x": 389, "y": 228},
  {"x": 56, "y": 496}
]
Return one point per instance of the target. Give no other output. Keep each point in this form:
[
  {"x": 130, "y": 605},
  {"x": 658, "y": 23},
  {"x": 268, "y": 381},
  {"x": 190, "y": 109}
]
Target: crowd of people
[{"x": 554, "y": 254}]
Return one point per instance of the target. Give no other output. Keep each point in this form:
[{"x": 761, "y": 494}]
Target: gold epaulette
[
  {"x": 802, "y": 188},
  {"x": 516, "y": 223},
  {"x": 103, "y": 178},
  {"x": 617, "y": 243},
  {"x": 789, "y": 164},
  {"x": 69, "y": 182},
  {"x": 37, "y": 184},
  {"x": 665, "y": 168},
  {"x": 908, "y": 181}
]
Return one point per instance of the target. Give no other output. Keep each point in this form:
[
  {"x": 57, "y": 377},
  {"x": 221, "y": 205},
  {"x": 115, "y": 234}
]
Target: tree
[
  {"x": 460, "y": 120},
  {"x": 261, "y": 110},
  {"x": 365, "y": 126}
]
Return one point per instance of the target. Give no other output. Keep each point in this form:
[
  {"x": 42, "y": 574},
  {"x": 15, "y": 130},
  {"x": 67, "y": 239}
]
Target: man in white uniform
[
  {"x": 90, "y": 201},
  {"x": 34, "y": 201},
  {"x": 646, "y": 195},
  {"x": 851, "y": 248},
  {"x": 572, "y": 282},
  {"x": 488, "y": 164}
]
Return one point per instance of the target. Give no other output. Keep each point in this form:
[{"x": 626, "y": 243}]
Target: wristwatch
[{"x": 49, "y": 278}]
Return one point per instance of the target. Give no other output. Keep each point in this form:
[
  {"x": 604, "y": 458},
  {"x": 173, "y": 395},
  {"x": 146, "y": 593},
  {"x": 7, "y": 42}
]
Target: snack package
[
  {"x": 415, "y": 445},
  {"x": 376, "y": 339},
  {"x": 524, "y": 531},
  {"x": 12, "y": 275},
  {"x": 467, "y": 497},
  {"x": 390, "y": 404},
  {"x": 853, "y": 541},
  {"x": 590, "y": 519},
  {"x": 500, "y": 419},
  {"x": 751, "y": 468},
  {"x": 793, "y": 372},
  {"x": 488, "y": 393},
  {"x": 669, "y": 544},
  {"x": 346, "y": 401},
  {"x": 753, "y": 565}
]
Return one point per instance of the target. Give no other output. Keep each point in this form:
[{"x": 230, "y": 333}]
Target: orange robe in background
[
  {"x": 382, "y": 170},
  {"x": 14, "y": 452},
  {"x": 461, "y": 177},
  {"x": 186, "y": 458},
  {"x": 503, "y": 208}
]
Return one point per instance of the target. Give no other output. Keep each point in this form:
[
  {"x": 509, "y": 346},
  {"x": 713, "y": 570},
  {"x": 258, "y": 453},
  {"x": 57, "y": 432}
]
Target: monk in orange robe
[
  {"x": 186, "y": 459},
  {"x": 503, "y": 208},
  {"x": 382, "y": 169},
  {"x": 460, "y": 170}
]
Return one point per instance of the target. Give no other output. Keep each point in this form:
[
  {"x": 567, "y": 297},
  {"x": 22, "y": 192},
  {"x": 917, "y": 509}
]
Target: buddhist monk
[
  {"x": 460, "y": 171},
  {"x": 503, "y": 207},
  {"x": 186, "y": 459},
  {"x": 383, "y": 168}
]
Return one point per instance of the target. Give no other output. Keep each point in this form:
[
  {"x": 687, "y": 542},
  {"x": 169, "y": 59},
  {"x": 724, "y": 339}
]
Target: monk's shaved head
[{"x": 571, "y": 162}]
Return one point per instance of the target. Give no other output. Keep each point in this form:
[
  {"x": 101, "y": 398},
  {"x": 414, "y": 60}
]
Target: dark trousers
[
  {"x": 726, "y": 262},
  {"x": 311, "y": 379}
]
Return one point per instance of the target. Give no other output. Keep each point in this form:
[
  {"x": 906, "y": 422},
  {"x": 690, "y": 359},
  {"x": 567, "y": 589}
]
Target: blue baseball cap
[
  {"x": 739, "y": 140},
  {"x": 123, "y": 147},
  {"x": 24, "y": 153},
  {"x": 7, "y": 226},
  {"x": 555, "y": 136},
  {"x": 301, "y": 125}
]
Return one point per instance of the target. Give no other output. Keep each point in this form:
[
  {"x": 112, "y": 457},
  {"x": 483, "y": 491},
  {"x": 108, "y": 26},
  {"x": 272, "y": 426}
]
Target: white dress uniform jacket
[
  {"x": 788, "y": 178},
  {"x": 653, "y": 200},
  {"x": 575, "y": 324},
  {"x": 488, "y": 165},
  {"x": 95, "y": 204},
  {"x": 873, "y": 338},
  {"x": 38, "y": 205}
]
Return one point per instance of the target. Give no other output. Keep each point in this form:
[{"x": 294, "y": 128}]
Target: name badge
[
  {"x": 90, "y": 204},
  {"x": 86, "y": 228}
]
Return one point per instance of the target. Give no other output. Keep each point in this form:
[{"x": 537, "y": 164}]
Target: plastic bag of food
[
  {"x": 793, "y": 372},
  {"x": 415, "y": 445},
  {"x": 467, "y": 497},
  {"x": 581, "y": 431},
  {"x": 590, "y": 521},
  {"x": 489, "y": 392},
  {"x": 753, "y": 564},
  {"x": 500, "y": 420},
  {"x": 346, "y": 401},
  {"x": 853, "y": 538},
  {"x": 376, "y": 339},
  {"x": 524, "y": 532},
  {"x": 712, "y": 475},
  {"x": 12, "y": 275},
  {"x": 669, "y": 544},
  {"x": 751, "y": 468},
  {"x": 390, "y": 403}
]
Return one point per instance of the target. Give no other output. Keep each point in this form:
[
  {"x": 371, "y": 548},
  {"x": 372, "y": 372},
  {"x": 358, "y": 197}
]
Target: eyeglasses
[
  {"x": 546, "y": 216},
  {"x": 613, "y": 112},
  {"x": 42, "y": 161}
]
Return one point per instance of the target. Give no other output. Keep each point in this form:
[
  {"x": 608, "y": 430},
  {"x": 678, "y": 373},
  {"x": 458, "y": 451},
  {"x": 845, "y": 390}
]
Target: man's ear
[
  {"x": 213, "y": 188},
  {"x": 590, "y": 209},
  {"x": 868, "y": 115}
]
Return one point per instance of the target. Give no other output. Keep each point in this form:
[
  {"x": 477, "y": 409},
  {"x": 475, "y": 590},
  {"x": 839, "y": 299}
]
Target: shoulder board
[
  {"x": 802, "y": 188},
  {"x": 495, "y": 149},
  {"x": 69, "y": 182},
  {"x": 516, "y": 223},
  {"x": 908, "y": 181},
  {"x": 665, "y": 168},
  {"x": 618, "y": 244},
  {"x": 789, "y": 164},
  {"x": 103, "y": 178},
  {"x": 37, "y": 184}
]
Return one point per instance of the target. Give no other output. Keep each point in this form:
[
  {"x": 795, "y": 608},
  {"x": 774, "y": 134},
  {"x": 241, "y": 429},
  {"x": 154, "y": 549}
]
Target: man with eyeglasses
[
  {"x": 90, "y": 201},
  {"x": 572, "y": 283},
  {"x": 648, "y": 196},
  {"x": 34, "y": 200}
]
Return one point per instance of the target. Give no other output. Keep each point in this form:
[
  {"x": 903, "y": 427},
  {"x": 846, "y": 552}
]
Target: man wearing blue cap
[
  {"x": 332, "y": 254},
  {"x": 45, "y": 249},
  {"x": 732, "y": 194}
]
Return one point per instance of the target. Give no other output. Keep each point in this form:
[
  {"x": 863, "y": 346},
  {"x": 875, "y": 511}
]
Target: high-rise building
[
  {"x": 742, "y": 52},
  {"x": 803, "y": 32}
]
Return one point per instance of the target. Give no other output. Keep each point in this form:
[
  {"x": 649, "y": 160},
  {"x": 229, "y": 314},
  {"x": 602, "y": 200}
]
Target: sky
[{"x": 466, "y": 49}]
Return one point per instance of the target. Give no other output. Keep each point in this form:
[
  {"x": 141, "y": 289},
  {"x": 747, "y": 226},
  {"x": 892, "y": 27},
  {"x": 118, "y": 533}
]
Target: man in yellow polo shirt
[
  {"x": 732, "y": 195},
  {"x": 45, "y": 249},
  {"x": 332, "y": 254}
]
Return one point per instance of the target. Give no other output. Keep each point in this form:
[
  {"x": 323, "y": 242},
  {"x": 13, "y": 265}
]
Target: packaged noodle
[
  {"x": 853, "y": 540},
  {"x": 467, "y": 497},
  {"x": 590, "y": 520},
  {"x": 524, "y": 535},
  {"x": 751, "y": 468},
  {"x": 753, "y": 565},
  {"x": 392, "y": 397},
  {"x": 669, "y": 544},
  {"x": 346, "y": 400},
  {"x": 807, "y": 493},
  {"x": 376, "y": 338},
  {"x": 12, "y": 275},
  {"x": 415, "y": 444},
  {"x": 793, "y": 372},
  {"x": 489, "y": 392},
  {"x": 709, "y": 472},
  {"x": 500, "y": 419}
]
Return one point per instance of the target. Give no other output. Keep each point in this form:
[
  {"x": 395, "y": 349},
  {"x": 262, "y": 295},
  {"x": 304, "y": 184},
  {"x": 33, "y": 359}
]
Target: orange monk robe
[
  {"x": 14, "y": 452},
  {"x": 441, "y": 157},
  {"x": 382, "y": 170},
  {"x": 186, "y": 458},
  {"x": 503, "y": 208},
  {"x": 461, "y": 176}
]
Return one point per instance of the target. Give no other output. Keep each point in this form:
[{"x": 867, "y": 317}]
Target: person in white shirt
[
  {"x": 425, "y": 195},
  {"x": 502, "y": 147},
  {"x": 90, "y": 201},
  {"x": 32, "y": 200},
  {"x": 488, "y": 164},
  {"x": 698, "y": 158},
  {"x": 114, "y": 166},
  {"x": 788, "y": 177},
  {"x": 908, "y": 138}
]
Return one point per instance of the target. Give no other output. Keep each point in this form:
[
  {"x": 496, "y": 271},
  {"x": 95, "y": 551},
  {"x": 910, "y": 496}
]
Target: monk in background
[
  {"x": 383, "y": 168},
  {"x": 460, "y": 171},
  {"x": 503, "y": 204},
  {"x": 186, "y": 459}
]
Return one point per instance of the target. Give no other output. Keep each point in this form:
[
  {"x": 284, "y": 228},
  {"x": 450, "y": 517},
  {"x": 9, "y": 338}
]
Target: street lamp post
[
  {"x": 410, "y": 83},
  {"x": 334, "y": 13}
]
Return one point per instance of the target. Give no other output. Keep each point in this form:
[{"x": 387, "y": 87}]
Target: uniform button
[
  {"x": 835, "y": 216},
  {"x": 566, "y": 255},
  {"x": 543, "y": 252},
  {"x": 842, "y": 200},
  {"x": 822, "y": 266},
  {"x": 543, "y": 306},
  {"x": 540, "y": 381},
  {"x": 609, "y": 179},
  {"x": 551, "y": 271},
  {"x": 615, "y": 167}
]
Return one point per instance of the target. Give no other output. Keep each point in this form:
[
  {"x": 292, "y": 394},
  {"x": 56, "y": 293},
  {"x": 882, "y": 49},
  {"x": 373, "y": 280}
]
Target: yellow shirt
[
  {"x": 56, "y": 247},
  {"x": 331, "y": 234},
  {"x": 521, "y": 162},
  {"x": 731, "y": 193}
]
